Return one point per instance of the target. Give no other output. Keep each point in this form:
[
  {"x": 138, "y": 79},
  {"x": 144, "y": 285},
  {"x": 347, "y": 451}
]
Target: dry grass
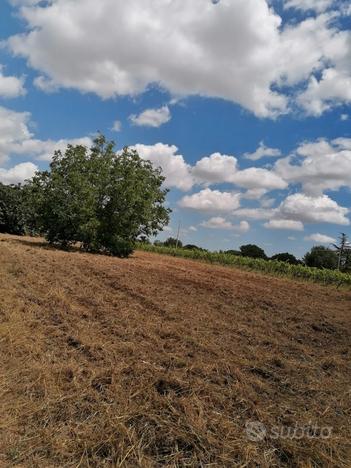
[{"x": 161, "y": 361}]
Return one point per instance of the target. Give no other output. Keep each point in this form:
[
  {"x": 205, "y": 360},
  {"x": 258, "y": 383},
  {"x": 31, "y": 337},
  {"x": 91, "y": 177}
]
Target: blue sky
[{"x": 245, "y": 104}]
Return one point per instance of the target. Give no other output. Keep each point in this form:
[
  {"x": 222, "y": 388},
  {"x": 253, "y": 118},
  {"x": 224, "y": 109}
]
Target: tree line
[{"x": 319, "y": 256}]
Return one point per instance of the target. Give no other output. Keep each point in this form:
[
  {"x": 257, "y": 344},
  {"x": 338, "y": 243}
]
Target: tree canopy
[
  {"x": 252, "y": 250},
  {"x": 173, "y": 242},
  {"x": 12, "y": 219},
  {"x": 98, "y": 197},
  {"x": 321, "y": 257},
  {"x": 286, "y": 257}
]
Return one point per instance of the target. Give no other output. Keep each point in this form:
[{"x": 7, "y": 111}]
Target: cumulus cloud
[
  {"x": 18, "y": 173},
  {"x": 152, "y": 117},
  {"x": 284, "y": 224},
  {"x": 216, "y": 168},
  {"x": 211, "y": 201},
  {"x": 319, "y": 166},
  {"x": 322, "y": 209},
  {"x": 334, "y": 87},
  {"x": 263, "y": 151},
  {"x": 17, "y": 139},
  {"x": 255, "y": 213},
  {"x": 221, "y": 168},
  {"x": 174, "y": 168},
  {"x": 320, "y": 238},
  {"x": 219, "y": 49},
  {"x": 218, "y": 222},
  {"x": 316, "y": 5},
  {"x": 11, "y": 86}
]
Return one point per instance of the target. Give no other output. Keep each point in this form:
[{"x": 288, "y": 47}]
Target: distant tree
[
  {"x": 193, "y": 247},
  {"x": 233, "y": 252},
  {"x": 144, "y": 240},
  {"x": 286, "y": 257},
  {"x": 102, "y": 199},
  {"x": 172, "y": 242},
  {"x": 252, "y": 250},
  {"x": 343, "y": 249},
  {"x": 12, "y": 217},
  {"x": 158, "y": 243},
  {"x": 321, "y": 257}
]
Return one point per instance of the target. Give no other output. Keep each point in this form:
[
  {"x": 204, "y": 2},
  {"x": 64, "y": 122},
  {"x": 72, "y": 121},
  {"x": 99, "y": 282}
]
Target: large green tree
[
  {"x": 321, "y": 257},
  {"x": 102, "y": 199},
  {"x": 12, "y": 219},
  {"x": 252, "y": 250},
  {"x": 286, "y": 257}
]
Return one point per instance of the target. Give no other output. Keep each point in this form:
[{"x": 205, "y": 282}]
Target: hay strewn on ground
[{"x": 162, "y": 361}]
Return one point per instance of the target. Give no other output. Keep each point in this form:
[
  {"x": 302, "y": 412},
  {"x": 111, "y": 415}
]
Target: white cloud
[
  {"x": 237, "y": 50},
  {"x": 211, "y": 201},
  {"x": 152, "y": 117},
  {"x": 216, "y": 168},
  {"x": 117, "y": 126},
  {"x": 263, "y": 151},
  {"x": 255, "y": 213},
  {"x": 321, "y": 238},
  {"x": 18, "y": 173},
  {"x": 174, "y": 168},
  {"x": 334, "y": 87},
  {"x": 218, "y": 222},
  {"x": 11, "y": 86},
  {"x": 322, "y": 209},
  {"x": 24, "y": 2},
  {"x": 317, "y": 5},
  {"x": 17, "y": 139},
  {"x": 344, "y": 117},
  {"x": 284, "y": 224},
  {"x": 221, "y": 168},
  {"x": 321, "y": 165},
  {"x": 45, "y": 84},
  {"x": 193, "y": 228},
  {"x": 259, "y": 178}
]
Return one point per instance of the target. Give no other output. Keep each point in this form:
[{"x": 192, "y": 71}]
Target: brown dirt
[{"x": 160, "y": 361}]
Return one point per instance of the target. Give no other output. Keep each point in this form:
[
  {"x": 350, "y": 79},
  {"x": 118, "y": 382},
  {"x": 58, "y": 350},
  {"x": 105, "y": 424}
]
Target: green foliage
[
  {"x": 172, "y": 242},
  {"x": 193, "y": 247},
  {"x": 321, "y": 257},
  {"x": 12, "y": 219},
  {"x": 233, "y": 252},
  {"x": 267, "y": 266},
  {"x": 286, "y": 257},
  {"x": 99, "y": 198},
  {"x": 253, "y": 251},
  {"x": 343, "y": 250}
]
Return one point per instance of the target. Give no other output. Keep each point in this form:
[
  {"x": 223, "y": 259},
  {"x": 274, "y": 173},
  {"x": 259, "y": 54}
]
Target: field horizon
[{"x": 163, "y": 361}]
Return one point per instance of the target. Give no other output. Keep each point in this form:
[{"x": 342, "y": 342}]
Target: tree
[
  {"x": 252, "y": 250},
  {"x": 12, "y": 219},
  {"x": 343, "y": 250},
  {"x": 102, "y": 199},
  {"x": 286, "y": 257},
  {"x": 172, "y": 242},
  {"x": 233, "y": 252},
  {"x": 193, "y": 247},
  {"x": 321, "y": 257}
]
